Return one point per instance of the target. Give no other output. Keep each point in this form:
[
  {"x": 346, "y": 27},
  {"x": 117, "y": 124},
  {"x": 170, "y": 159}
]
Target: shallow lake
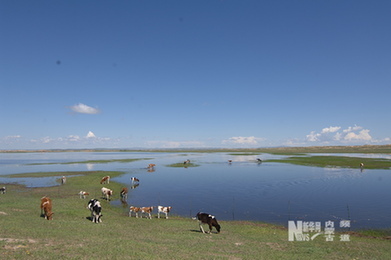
[{"x": 241, "y": 190}]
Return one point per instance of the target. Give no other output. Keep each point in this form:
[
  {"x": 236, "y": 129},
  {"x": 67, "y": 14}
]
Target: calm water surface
[{"x": 243, "y": 190}]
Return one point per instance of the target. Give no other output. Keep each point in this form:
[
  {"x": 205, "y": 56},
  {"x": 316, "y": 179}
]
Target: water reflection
[{"x": 90, "y": 166}]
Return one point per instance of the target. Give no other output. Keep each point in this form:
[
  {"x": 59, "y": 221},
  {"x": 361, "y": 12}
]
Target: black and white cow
[
  {"x": 2, "y": 190},
  {"x": 96, "y": 210},
  {"x": 208, "y": 219}
]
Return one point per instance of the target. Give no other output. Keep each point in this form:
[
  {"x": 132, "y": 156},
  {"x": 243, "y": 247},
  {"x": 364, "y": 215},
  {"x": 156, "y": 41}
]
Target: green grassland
[
  {"x": 24, "y": 234},
  {"x": 182, "y": 165},
  {"x": 336, "y": 161}
]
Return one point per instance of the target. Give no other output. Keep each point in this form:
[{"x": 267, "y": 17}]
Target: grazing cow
[
  {"x": 105, "y": 180},
  {"x": 83, "y": 194},
  {"x": 96, "y": 210},
  {"x": 63, "y": 180},
  {"x": 146, "y": 210},
  {"x": 164, "y": 210},
  {"x": 208, "y": 219},
  {"x": 186, "y": 162},
  {"x": 107, "y": 193},
  {"x": 134, "y": 209},
  {"x": 46, "y": 208},
  {"x": 2, "y": 190},
  {"x": 124, "y": 194},
  {"x": 134, "y": 179},
  {"x": 151, "y": 165}
]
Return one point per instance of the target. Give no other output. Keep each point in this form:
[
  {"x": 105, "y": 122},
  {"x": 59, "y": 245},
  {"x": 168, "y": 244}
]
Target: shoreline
[{"x": 305, "y": 149}]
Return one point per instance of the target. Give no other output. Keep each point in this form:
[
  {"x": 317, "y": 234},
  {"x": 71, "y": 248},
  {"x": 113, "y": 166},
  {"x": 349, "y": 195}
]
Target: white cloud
[
  {"x": 174, "y": 144},
  {"x": 363, "y": 135},
  {"x": 84, "y": 109},
  {"x": 73, "y": 141},
  {"x": 90, "y": 135},
  {"x": 12, "y": 137},
  {"x": 10, "y": 140},
  {"x": 72, "y": 138},
  {"x": 331, "y": 129},
  {"x": 333, "y": 134},
  {"x": 250, "y": 140},
  {"x": 312, "y": 137},
  {"x": 352, "y": 128}
]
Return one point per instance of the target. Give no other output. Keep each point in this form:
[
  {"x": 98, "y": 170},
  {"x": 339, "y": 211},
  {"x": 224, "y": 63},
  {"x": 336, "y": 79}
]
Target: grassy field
[
  {"x": 24, "y": 234},
  {"x": 337, "y": 161},
  {"x": 182, "y": 165}
]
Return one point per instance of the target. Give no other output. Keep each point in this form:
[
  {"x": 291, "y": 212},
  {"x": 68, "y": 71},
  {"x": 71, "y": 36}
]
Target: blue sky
[{"x": 175, "y": 74}]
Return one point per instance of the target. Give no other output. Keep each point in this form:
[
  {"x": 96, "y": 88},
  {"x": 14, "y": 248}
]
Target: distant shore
[{"x": 275, "y": 150}]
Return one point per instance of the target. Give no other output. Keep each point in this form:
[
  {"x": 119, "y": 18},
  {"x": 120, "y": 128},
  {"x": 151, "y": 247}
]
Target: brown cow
[
  {"x": 105, "y": 180},
  {"x": 46, "y": 208},
  {"x": 134, "y": 209},
  {"x": 164, "y": 210},
  {"x": 147, "y": 210},
  {"x": 124, "y": 194},
  {"x": 151, "y": 165}
]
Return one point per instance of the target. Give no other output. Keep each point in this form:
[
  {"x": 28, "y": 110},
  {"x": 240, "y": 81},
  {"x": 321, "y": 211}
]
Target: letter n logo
[{"x": 295, "y": 231}]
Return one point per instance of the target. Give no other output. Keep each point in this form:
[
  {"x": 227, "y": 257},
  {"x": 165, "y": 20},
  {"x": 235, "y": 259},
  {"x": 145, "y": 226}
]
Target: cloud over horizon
[
  {"x": 349, "y": 135},
  {"x": 242, "y": 140},
  {"x": 175, "y": 144},
  {"x": 84, "y": 109},
  {"x": 333, "y": 135},
  {"x": 90, "y": 140}
]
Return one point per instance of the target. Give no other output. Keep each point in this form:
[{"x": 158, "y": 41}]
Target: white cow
[
  {"x": 107, "y": 193},
  {"x": 83, "y": 194}
]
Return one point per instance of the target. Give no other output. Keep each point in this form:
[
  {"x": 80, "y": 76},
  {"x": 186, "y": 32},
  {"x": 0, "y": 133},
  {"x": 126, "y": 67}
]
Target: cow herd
[
  {"x": 96, "y": 209},
  {"x": 95, "y": 206}
]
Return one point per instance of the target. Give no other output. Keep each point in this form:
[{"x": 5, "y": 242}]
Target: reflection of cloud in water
[
  {"x": 337, "y": 172},
  {"x": 244, "y": 158},
  {"x": 253, "y": 158},
  {"x": 90, "y": 166}
]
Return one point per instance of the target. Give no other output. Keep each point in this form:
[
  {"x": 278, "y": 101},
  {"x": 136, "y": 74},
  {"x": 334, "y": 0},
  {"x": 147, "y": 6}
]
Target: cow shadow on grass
[
  {"x": 90, "y": 218},
  {"x": 199, "y": 231}
]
